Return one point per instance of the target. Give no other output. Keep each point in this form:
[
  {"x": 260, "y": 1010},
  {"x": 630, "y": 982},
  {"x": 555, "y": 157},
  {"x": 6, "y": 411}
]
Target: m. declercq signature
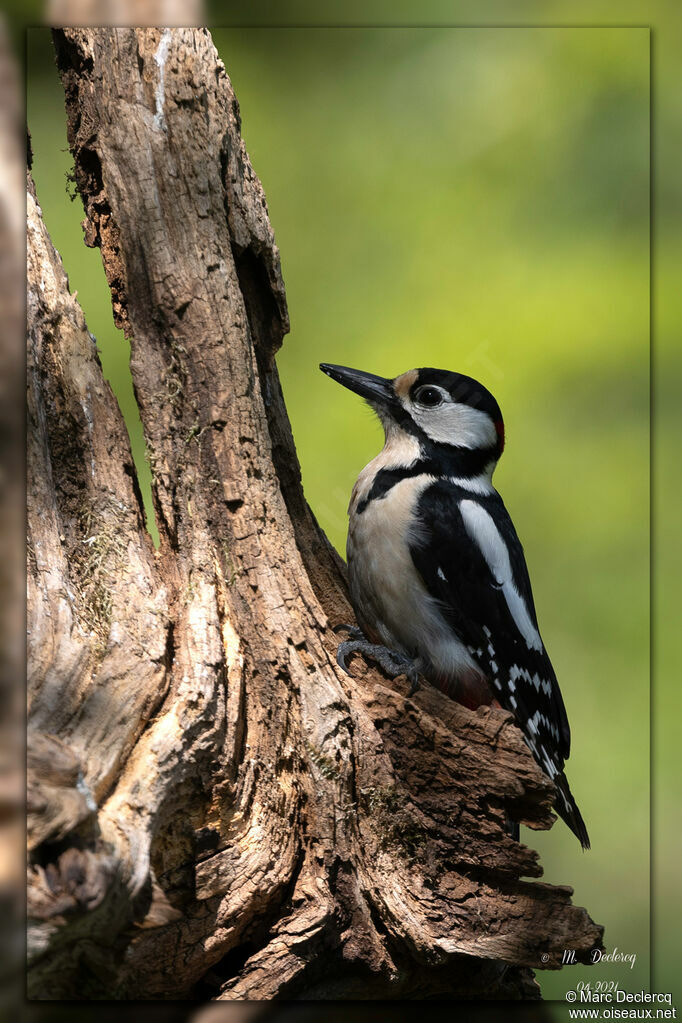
[{"x": 568, "y": 957}]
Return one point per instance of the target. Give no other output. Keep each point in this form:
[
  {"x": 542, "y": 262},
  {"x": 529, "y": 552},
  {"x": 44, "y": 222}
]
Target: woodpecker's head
[{"x": 451, "y": 416}]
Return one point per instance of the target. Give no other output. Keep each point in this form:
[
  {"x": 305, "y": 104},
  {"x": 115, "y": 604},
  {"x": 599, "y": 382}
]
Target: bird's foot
[{"x": 392, "y": 662}]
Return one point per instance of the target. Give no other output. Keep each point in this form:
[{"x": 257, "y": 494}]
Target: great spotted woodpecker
[{"x": 438, "y": 578}]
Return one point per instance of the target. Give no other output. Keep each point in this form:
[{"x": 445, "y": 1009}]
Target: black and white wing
[{"x": 471, "y": 560}]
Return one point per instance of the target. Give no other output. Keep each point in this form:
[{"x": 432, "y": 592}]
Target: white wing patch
[{"x": 481, "y": 527}]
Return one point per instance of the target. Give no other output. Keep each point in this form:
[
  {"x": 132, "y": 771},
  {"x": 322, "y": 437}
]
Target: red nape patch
[{"x": 499, "y": 426}]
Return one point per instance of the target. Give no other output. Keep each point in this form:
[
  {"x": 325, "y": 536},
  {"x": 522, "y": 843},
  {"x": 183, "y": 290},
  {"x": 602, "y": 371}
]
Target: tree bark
[{"x": 216, "y": 810}]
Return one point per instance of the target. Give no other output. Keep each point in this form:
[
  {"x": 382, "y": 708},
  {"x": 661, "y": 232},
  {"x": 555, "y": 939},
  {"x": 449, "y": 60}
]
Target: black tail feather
[
  {"x": 567, "y": 809},
  {"x": 514, "y": 829}
]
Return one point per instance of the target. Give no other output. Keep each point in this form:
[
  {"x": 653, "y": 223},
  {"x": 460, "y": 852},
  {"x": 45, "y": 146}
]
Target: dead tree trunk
[{"x": 215, "y": 809}]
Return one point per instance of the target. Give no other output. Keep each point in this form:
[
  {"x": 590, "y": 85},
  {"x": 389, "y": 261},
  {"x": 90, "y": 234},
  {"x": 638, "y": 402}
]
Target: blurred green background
[{"x": 475, "y": 199}]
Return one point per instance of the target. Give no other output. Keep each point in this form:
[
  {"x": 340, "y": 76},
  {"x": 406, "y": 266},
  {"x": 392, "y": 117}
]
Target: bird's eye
[{"x": 430, "y": 397}]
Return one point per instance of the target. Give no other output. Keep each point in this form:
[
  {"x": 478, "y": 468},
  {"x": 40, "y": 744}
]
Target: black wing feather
[{"x": 456, "y": 573}]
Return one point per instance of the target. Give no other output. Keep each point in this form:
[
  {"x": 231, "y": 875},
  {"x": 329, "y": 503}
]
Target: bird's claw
[
  {"x": 413, "y": 679},
  {"x": 392, "y": 662},
  {"x": 353, "y": 631}
]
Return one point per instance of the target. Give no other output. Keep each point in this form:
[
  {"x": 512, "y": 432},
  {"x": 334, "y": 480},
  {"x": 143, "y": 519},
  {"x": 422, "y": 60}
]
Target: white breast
[{"x": 388, "y": 594}]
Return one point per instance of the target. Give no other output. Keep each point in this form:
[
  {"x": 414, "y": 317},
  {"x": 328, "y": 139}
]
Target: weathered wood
[
  {"x": 225, "y": 812},
  {"x": 12, "y": 523}
]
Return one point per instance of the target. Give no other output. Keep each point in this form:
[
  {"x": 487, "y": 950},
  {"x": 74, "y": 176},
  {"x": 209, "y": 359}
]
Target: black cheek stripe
[{"x": 385, "y": 480}]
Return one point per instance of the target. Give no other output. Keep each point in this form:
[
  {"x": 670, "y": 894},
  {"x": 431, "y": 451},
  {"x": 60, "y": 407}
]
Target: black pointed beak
[{"x": 375, "y": 390}]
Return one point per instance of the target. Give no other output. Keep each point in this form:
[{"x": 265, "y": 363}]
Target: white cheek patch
[
  {"x": 452, "y": 423},
  {"x": 481, "y": 527}
]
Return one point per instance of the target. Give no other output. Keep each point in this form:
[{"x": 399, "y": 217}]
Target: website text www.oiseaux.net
[{"x": 610, "y": 1011}]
